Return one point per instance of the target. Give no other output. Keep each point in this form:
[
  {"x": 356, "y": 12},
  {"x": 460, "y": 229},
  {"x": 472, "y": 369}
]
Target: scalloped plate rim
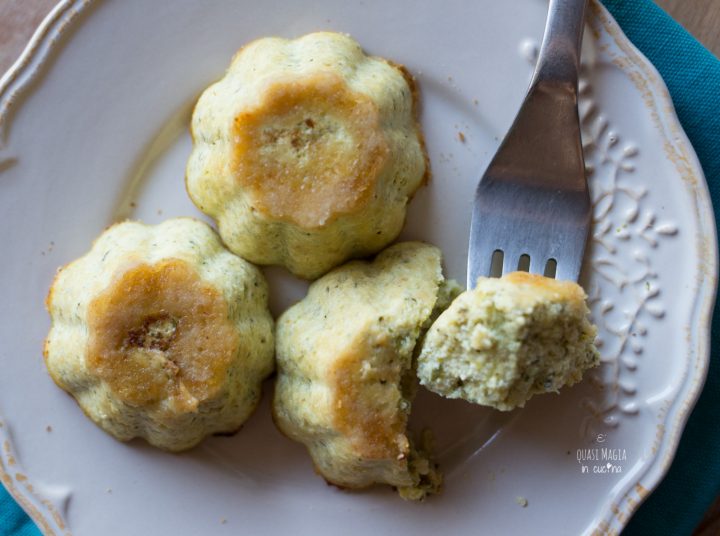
[{"x": 703, "y": 304}]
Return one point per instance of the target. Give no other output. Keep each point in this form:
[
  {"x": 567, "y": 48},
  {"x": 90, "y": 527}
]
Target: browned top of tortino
[
  {"x": 311, "y": 150},
  {"x": 159, "y": 332},
  {"x": 368, "y": 399}
]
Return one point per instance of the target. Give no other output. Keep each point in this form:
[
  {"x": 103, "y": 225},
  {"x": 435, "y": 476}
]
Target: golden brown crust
[
  {"x": 312, "y": 150},
  {"x": 159, "y": 332},
  {"x": 567, "y": 289},
  {"x": 373, "y": 423}
]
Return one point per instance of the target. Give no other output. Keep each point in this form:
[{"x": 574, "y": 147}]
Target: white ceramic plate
[{"x": 95, "y": 117}]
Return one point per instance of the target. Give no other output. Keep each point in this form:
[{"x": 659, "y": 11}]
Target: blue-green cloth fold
[
  {"x": 13, "y": 521},
  {"x": 692, "y": 75}
]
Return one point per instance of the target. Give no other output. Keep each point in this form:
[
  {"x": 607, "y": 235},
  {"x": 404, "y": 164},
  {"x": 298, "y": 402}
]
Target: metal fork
[{"x": 533, "y": 199}]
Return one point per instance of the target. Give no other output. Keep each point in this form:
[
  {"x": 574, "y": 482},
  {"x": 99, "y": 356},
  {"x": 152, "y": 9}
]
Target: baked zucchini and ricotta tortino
[
  {"x": 160, "y": 332},
  {"x": 345, "y": 368},
  {"x": 307, "y": 152}
]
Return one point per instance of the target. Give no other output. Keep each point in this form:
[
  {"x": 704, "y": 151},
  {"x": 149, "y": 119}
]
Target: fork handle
[{"x": 559, "y": 57}]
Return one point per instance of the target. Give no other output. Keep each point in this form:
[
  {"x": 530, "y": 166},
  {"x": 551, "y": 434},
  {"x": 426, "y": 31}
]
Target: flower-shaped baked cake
[
  {"x": 307, "y": 152},
  {"x": 160, "y": 332},
  {"x": 345, "y": 368}
]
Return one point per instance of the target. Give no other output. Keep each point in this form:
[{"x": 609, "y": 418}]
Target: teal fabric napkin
[
  {"x": 693, "y": 76},
  {"x": 13, "y": 521}
]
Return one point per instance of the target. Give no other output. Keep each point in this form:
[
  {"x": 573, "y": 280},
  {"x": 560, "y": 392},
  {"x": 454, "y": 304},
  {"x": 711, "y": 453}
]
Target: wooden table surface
[{"x": 18, "y": 19}]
